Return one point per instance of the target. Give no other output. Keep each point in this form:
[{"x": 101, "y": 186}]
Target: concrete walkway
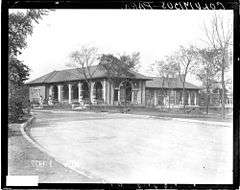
[{"x": 123, "y": 148}]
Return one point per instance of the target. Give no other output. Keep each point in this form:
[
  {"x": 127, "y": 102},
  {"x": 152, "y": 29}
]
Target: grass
[
  {"x": 191, "y": 113},
  {"x": 25, "y": 159},
  {"x": 198, "y": 113}
]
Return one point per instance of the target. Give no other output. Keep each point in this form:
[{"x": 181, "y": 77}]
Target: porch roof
[
  {"x": 171, "y": 83},
  {"x": 75, "y": 75}
]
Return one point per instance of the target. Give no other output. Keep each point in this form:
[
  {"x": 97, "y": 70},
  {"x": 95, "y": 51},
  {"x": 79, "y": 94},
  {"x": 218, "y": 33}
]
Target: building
[
  {"x": 168, "y": 92},
  {"x": 69, "y": 86}
]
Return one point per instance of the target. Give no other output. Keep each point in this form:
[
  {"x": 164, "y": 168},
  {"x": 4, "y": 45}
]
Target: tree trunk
[
  {"x": 223, "y": 90},
  {"x": 169, "y": 101},
  {"x": 184, "y": 102},
  {"x": 208, "y": 97},
  {"x": 125, "y": 98},
  {"x": 207, "y": 105},
  {"x": 89, "y": 91}
]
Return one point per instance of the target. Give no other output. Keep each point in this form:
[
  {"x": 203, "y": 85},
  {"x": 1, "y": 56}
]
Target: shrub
[{"x": 15, "y": 109}]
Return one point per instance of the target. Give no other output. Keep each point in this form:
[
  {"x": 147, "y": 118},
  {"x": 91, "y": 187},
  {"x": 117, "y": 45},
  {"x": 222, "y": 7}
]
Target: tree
[
  {"x": 186, "y": 60},
  {"x": 20, "y": 25},
  {"x": 219, "y": 37},
  {"x": 119, "y": 69},
  {"x": 208, "y": 70},
  {"x": 84, "y": 60},
  {"x": 167, "y": 70}
]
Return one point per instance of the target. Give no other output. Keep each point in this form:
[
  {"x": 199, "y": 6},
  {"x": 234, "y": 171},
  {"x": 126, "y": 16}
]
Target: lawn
[{"x": 25, "y": 159}]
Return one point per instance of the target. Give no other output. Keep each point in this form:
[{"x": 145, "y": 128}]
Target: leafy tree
[
  {"x": 20, "y": 25},
  {"x": 119, "y": 69}
]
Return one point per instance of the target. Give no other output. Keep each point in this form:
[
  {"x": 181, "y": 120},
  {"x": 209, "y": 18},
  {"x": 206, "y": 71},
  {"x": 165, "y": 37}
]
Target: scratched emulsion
[{"x": 125, "y": 149}]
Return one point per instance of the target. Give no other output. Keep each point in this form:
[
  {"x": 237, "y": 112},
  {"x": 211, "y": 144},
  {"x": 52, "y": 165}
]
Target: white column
[
  {"x": 119, "y": 95},
  {"x": 69, "y": 93},
  {"x": 50, "y": 93},
  {"x": 79, "y": 92},
  {"x": 108, "y": 93},
  {"x": 139, "y": 93},
  {"x": 59, "y": 93},
  {"x": 164, "y": 100},
  {"x": 104, "y": 91},
  {"x": 132, "y": 97},
  {"x": 195, "y": 98},
  {"x": 189, "y": 98},
  {"x": 112, "y": 92},
  {"x": 155, "y": 97},
  {"x": 143, "y": 92}
]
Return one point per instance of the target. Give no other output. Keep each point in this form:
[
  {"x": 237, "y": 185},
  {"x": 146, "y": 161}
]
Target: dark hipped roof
[
  {"x": 176, "y": 83},
  {"x": 75, "y": 74}
]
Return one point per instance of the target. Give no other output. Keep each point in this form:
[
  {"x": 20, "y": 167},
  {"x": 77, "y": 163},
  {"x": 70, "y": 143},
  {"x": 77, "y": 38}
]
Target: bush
[
  {"x": 17, "y": 101},
  {"x": 15, "y": 109}
]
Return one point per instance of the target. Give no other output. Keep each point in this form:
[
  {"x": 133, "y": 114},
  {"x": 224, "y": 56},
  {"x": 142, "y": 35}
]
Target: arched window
[{"x": 98, "y": 90}]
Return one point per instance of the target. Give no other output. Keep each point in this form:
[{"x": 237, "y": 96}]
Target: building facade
[
  {"x": 162, "y": 92},
  {"x": 70, "y": 87}
]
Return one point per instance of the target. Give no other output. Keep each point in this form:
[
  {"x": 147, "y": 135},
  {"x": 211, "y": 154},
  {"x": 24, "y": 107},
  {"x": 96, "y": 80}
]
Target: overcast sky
[{"x": 154, "y": 33}]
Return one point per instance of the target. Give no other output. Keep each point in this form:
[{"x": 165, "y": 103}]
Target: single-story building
[
  {"x": 70, "y": 86},
  {"x": 168, "y": 92}
]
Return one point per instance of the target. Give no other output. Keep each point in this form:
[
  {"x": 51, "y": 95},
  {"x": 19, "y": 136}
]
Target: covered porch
[{"x": 77, "y": 92}]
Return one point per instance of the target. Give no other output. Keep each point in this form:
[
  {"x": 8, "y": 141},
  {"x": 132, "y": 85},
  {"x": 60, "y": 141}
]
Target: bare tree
[
  {"x": 85, "y": 62},
  {"x": 219, "y": 37},
  {"x": 166, "y": 70},
  {"x": 157, "y": 69},
  {"x": 186, "y": 60},
  {"x": 208, "y": 70}
]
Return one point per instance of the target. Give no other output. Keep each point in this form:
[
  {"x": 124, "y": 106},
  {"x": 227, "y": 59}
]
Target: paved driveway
[{"x": 121, "y": 148}]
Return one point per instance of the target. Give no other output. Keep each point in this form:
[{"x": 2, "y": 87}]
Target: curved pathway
[{"x": 119, "y": 148}]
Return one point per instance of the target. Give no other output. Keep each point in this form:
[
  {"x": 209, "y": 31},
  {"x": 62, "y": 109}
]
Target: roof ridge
[{"x": 76, "y": 68}]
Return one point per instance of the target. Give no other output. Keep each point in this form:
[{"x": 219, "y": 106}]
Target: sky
[{"x": 153, "y": 33}]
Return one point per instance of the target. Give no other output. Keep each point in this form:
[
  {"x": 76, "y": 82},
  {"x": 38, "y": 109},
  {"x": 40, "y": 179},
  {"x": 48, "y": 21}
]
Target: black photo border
[{"x": 120, "y": 4}]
